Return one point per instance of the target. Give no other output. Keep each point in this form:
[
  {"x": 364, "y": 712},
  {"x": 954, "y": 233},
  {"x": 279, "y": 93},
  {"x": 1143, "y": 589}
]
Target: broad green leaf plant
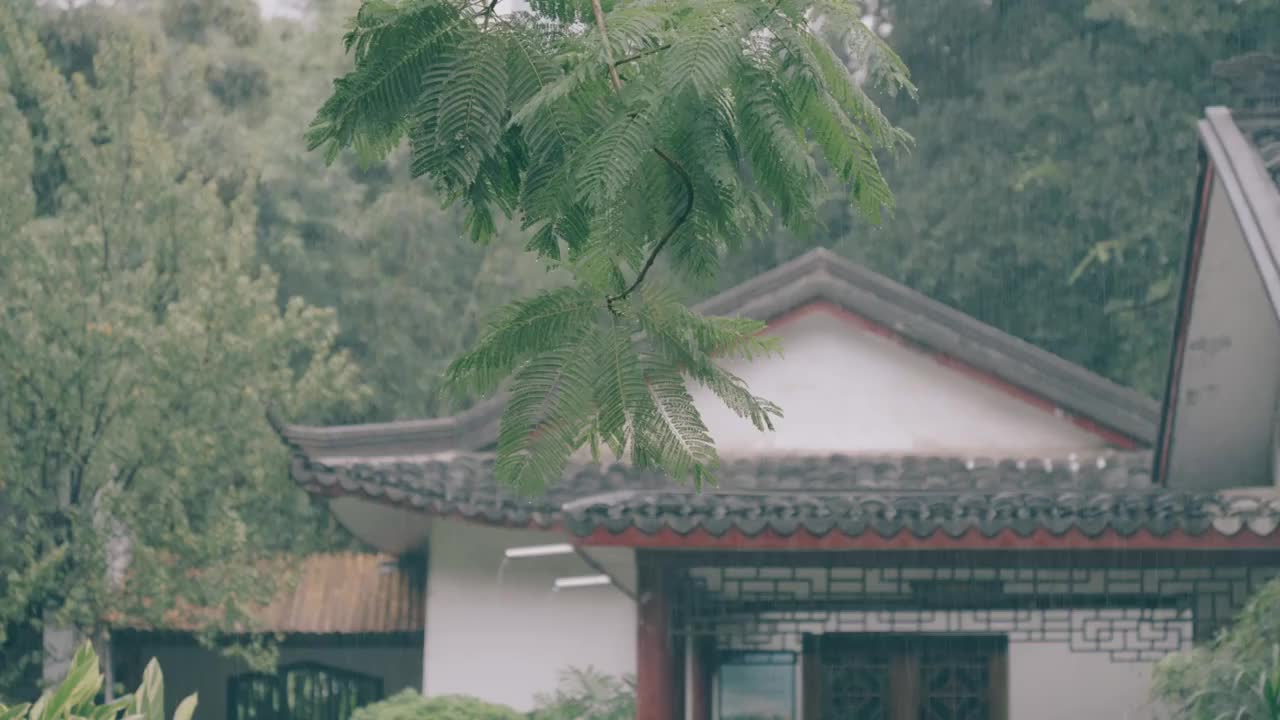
[
  {"x": 75, "y": 698},
  {"x": 619, "y": 134}
]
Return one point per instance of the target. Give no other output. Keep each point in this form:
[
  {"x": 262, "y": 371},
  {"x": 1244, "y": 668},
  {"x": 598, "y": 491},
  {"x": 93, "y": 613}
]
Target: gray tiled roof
[
  {"x": 817, "y": 494},
  {"x": 1263, "y": 130},
  {"x": 1255, "y": 80},
  {"x": 818, "y": 275}
]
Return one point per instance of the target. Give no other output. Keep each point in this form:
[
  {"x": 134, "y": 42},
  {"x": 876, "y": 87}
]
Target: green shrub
[
  {"x": 410, "y": 705},
  {"x": 1237, "y": 676},
  {"x": 588, "y": 695},
  {"x": 75, "y": 698}
]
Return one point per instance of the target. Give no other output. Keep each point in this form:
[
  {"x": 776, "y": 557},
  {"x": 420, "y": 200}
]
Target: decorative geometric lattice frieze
[{"x": 1130, "y": 613}]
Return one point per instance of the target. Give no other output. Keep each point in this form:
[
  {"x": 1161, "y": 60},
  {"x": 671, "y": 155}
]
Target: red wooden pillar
[
  {"x": 656, "y": 693},
  {"x": 703, "y": 666}
]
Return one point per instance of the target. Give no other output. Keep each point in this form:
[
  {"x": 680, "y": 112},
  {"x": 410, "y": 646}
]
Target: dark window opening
[
  {"x": 757, "y": 686},
  {"x": 302, "y": 691}
]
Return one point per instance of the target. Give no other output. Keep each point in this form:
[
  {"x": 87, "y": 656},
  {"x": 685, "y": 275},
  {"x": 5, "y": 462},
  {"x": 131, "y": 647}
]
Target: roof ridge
[
  {"x": 813, "y": 276},
  {"x": 1065, "y": 457}
]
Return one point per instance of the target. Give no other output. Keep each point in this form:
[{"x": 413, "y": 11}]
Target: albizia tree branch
[{"x": 725, "y": 105}]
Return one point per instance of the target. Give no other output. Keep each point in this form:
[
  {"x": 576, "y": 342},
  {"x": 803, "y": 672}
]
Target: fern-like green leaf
[
  {"x": 696, "y": 345},
  {"x": 614, "y": 156},
  {"x": 549, "y": 410},
  {"x": 619, "y": 388},
  {"x": 463, "y": 114},
  {"x": 706, "y": 59},
  {"x": 705, "y": 129},
  {"x": 853, "y": 100},
  {"x": 369, "y": 105},
  {"x": 523, "y": 329},
  {"x": 670, "y": 429},
  {"x": 781, "y": 165}
]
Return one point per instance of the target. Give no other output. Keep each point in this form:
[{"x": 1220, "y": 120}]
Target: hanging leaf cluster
[{"x": 618, "y": 133}]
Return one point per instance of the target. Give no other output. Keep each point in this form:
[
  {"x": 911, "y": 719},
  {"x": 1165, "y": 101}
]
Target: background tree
[
  {"x": 366, "y": 241},
  {"x": 140, "y": 345}
]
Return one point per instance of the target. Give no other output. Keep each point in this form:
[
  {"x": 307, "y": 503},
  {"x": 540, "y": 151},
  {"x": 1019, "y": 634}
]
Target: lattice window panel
[
  {"x": 955, "y": 685},
  {"x": 857, "y": 686},
  {"x": 1132, "y": 614}
]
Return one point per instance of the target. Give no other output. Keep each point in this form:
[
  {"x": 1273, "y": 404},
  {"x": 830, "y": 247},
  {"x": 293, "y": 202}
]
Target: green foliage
[
  {"x": 583, "y": 694},
  {"x": 673, "y": 125},
  {"x": 141, "y": 345},
  {"x": 410, "y": 705},
  {"x": 196, "y": 20},
  {"x": 586, "y": 694},
  {"x": 75, "y": 698},
  {"x": 1237, "y": 675}
]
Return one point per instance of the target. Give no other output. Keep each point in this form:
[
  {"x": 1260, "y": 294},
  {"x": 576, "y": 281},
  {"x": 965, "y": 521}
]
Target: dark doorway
[{"x": 905, "y": 677}]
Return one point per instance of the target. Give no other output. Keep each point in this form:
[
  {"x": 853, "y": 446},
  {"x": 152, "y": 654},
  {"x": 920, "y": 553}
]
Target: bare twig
[
  {"x": 675, "y": 165},
  {"x": 608, "y": 49},
  {"x": 643, "y": 53},
  {"x": 671, "y": 231}
]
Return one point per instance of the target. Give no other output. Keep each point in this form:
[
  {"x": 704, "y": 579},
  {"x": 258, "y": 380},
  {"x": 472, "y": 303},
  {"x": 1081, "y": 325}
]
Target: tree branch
[
  {"x": 608, "y": 49},
  {"x": 642, "y": 54},
  {"x": 671, "y": 231},
  {"x": 684, "y": 174}
]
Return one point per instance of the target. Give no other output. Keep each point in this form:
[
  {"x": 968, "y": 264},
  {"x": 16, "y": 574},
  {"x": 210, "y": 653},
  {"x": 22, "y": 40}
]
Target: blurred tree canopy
[{"x": 141, "y": 343}]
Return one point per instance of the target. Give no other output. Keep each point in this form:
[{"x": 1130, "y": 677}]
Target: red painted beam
[
  {"x": 655, "y": 661},
  {"x": 1041, "y": 539}
]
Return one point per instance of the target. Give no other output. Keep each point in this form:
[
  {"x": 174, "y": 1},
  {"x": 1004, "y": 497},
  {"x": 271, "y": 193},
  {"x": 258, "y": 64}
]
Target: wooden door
[{"x": 902, "y": 677}]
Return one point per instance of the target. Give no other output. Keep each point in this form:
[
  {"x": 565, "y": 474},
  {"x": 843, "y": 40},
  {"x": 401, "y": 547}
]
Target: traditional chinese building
[{"x": 948, "y": 523}]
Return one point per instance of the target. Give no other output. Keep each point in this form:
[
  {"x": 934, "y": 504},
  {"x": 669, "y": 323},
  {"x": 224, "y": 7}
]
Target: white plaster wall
[
  {"x": 189, "y": 669},
  {"x": 1047, "y": 681},
  {"x": 1227, "y": 397},
  {"x": 844, "y": 389},
  {"x": 507, "y": 639}
]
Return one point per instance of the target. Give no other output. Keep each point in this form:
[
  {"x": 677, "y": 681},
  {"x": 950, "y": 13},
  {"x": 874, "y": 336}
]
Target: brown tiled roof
[{"x": 335, "y": 594}]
